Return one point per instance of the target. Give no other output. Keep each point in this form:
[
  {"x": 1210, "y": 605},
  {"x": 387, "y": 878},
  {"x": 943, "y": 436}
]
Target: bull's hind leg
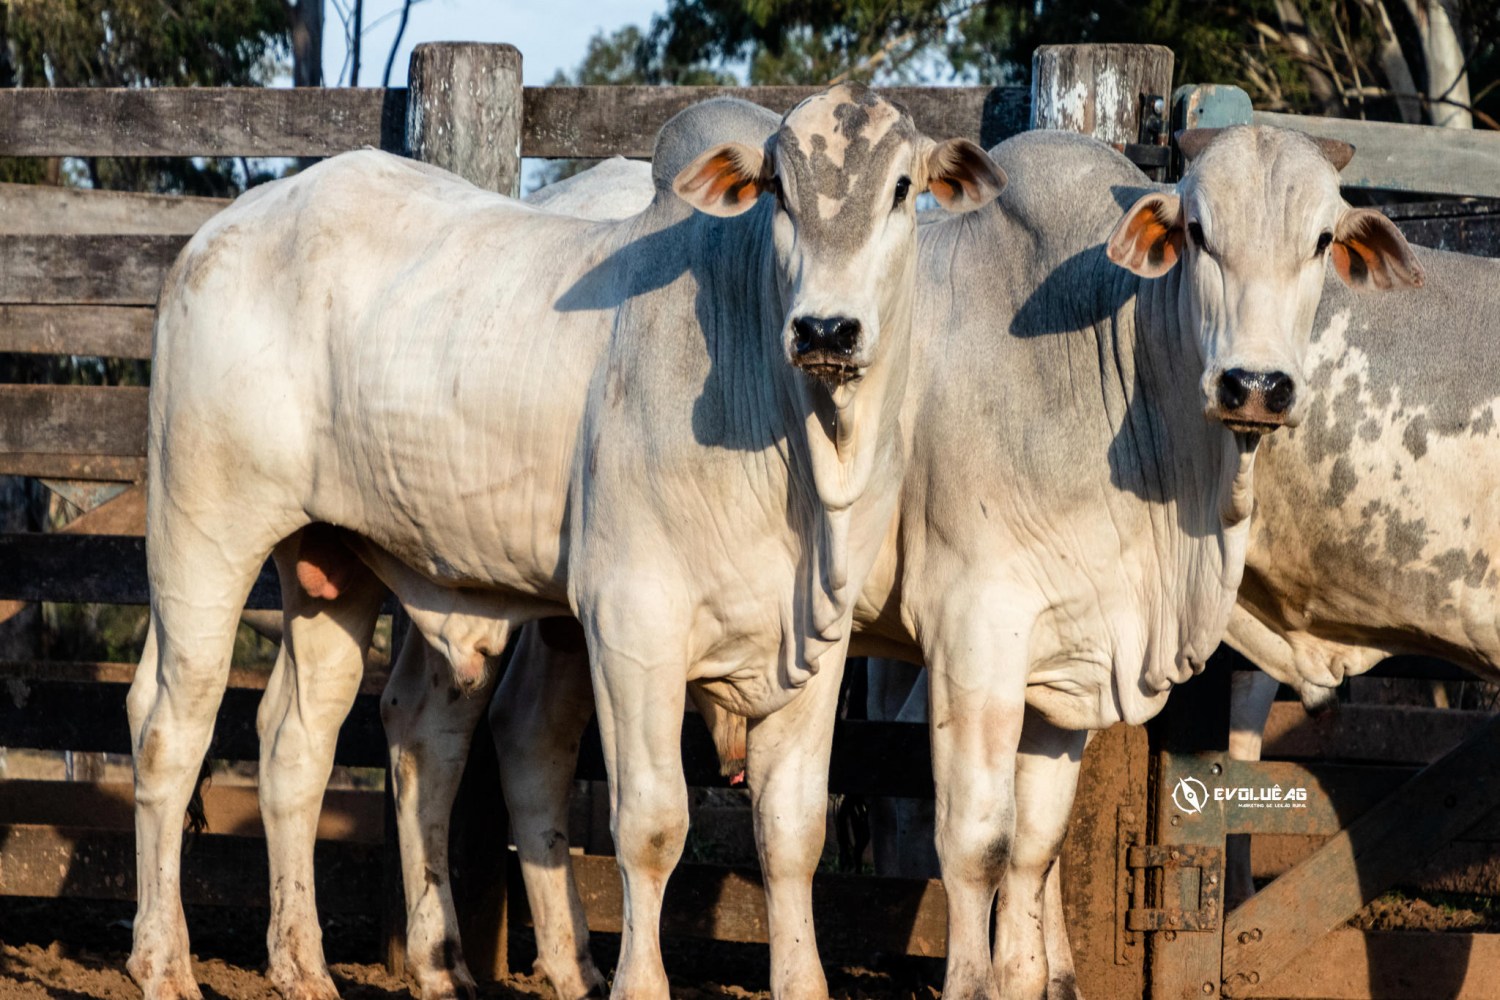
[
  {"x": 1046, "y": 778},
  {"x": 538, "y": 717},
  {"x": 429, "y": 725},
  {"x": 317, "y": 675},
  {"x": 201, "y": 570}
]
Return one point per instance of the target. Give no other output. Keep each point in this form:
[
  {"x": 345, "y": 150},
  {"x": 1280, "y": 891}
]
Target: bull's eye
[
  {"x": 1196, "y": 232},
  {"x": 1324, "y": 239},
  {"x": 903, "y": 188}
]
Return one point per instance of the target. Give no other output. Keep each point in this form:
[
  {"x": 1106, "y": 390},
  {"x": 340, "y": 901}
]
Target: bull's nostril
[
  {"x": 1279, "y": 392},
  {"x": 1234, "y": 389},
  {"x": 845, "y": 336},
  {"x": 805, "y": 335}
]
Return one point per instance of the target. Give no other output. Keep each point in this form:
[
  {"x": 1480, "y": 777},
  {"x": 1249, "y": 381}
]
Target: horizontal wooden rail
[
  {"x": 84, "y": 863},
  {"x": 40, "y": 209},
  {"x": 347, "y": 815},
  {"x": 558, "y": 121},
  {"x": 200, "y": 121},
  {"x": 73, "y": 419},
  {"x": 854, "y": 915},
  {"x": 1392, "y": 965},
  {"x": 85, "y": 270},
  {"x": 1387, "y": 734},
  {"x": 1407, "y": 157},
  {"x": 92, "y": 569},
  {"x": 97, "y": 331},
  {"x": 1468, "y": 865}
]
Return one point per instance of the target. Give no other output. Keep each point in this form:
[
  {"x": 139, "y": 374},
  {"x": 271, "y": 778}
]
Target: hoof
[
  {"x": 1063, "y": 987},
  {"x": 456, "y": 985},
  {"x": 172, "y": 981}
]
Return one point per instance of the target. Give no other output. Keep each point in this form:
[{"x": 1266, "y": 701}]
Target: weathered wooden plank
[
  {"x": 1465, "y": 866},
  {"x": 1407, "y": 157},
  {"x": 99, "y": 468},
  {"x": 558, "y": 121},
  {"x": 347, "y": 814},
  {"x": 1395, "y": 734},
  {"x": 1292, "y": 914},
  {"x": 99, "y": 569},
  {"x": 854, "y": 915},
  {"x": 191, "y": 121},
  {"x": 80, "y": 863},
  {"x": 60, "y": 715},
  {"x": 1392, "y": 965},
  {"x": 609, "y": 121},
  {"x": 73, "y": 419},
  {"x": 123, "y": 515},
  {"x": 40, "y": 209},
  {"x": 85, "y": 270}
]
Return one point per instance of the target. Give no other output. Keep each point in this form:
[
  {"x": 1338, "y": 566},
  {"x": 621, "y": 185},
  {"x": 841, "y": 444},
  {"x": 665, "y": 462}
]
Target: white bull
[
  {"x": 1072, "y": 528},
  {"x": 509, "y": 414}
]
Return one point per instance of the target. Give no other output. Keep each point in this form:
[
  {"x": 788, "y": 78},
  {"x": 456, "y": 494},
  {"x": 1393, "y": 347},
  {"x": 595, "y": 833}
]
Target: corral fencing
[{"x": 79, "y": 274}]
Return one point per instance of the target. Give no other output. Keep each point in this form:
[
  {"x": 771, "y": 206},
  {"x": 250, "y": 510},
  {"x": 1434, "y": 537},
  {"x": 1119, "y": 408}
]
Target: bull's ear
[
  {"x": 724, "y": 181},
  {"x": 1148, "y": 240},
  {"x": 1370, "y": 252},
  {"x": 961, "y": 176},
  {"x": 1335, "y": 151}
]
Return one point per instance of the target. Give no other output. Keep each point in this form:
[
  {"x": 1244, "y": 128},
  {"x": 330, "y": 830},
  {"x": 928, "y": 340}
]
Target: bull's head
[
  {"x": 845, "y": 168},
  {"x": 1251, "y": 227}
]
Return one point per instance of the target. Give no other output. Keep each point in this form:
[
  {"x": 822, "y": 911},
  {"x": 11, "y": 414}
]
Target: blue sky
[{"x": 551, "y": 34}]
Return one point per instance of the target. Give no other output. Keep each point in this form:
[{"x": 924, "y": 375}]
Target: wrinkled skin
[
  {"x": 1043, "y": 615},
  {"x": 472, "y": 548}
]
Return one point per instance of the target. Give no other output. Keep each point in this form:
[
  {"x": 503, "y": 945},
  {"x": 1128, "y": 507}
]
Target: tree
[{"x": 1413, "y": 60}]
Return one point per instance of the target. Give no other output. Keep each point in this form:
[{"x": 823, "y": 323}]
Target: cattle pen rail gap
[{"x": 79, "y": 274}]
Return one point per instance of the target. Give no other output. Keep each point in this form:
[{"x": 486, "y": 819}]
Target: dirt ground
[{"x": 71, "y": 950}]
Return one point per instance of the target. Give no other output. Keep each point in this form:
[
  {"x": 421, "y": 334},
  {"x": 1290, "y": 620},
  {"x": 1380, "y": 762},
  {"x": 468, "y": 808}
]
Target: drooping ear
[
  {"x": 961, "y": 176},
  {"x": 724, "y": 181},
  {"x": 1192, "y": 141},
  {"x": 1335, "y": 151},
  {"x": 1148, "y": 240},
  {"x": 1370, "y": 252}
]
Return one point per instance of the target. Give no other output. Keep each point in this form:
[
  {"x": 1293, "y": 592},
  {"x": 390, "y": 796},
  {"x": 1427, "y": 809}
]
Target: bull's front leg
[
  {"x": 977, "y": 663},
  {"x": 640, "y": 686},
  {"x": 429, "y": 725},
  {"x": 1047, "y": 771},
  {"x": 538, "y": 717},
  {"x": 787, "y": 769}
]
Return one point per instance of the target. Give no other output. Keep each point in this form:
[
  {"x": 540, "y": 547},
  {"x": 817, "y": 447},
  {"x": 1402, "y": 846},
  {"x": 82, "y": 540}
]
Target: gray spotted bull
[
  {"x": 680, "y": 427},
  {"x": 1085, "y": 415}
]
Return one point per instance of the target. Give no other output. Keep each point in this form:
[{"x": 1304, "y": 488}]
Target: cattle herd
[{"x": 706, "y": 429}]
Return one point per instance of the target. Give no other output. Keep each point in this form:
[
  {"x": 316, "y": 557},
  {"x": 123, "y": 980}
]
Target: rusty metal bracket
[{"x": 1184, "y": 861}]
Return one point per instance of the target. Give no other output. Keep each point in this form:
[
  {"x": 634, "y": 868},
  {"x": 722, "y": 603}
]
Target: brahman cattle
[
  {"x": 680, "y": 427},
  {"x": 1075, "y": 514}
]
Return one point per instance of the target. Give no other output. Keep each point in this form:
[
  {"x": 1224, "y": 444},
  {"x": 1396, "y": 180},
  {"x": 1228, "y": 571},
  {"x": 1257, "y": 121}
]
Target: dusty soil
[
  {"x": 72, "y": 950},
  {"x": 1436, "y": 911}
]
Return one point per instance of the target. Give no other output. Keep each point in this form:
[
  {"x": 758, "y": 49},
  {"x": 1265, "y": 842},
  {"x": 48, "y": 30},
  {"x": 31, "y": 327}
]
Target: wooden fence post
[
  {"x": 464, "y": 115},
  {"x": 1098, "y": 90},
  {"x": 463, "y": 112}
]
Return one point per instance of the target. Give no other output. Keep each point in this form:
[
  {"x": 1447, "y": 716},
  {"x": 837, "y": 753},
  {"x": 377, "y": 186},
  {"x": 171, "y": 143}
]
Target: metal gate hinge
[{"x": 1180, "y": 866}]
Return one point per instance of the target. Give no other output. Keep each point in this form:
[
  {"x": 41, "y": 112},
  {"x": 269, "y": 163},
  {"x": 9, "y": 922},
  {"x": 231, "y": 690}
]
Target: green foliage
[{"x": 1316, "y": 56}]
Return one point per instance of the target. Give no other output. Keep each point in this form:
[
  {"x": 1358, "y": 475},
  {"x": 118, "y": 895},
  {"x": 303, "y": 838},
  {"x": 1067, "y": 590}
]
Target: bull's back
[{"x": 379, "y": 342}]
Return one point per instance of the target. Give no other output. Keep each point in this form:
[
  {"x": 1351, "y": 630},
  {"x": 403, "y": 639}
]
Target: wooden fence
[{"x": 79, "y": 273}]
